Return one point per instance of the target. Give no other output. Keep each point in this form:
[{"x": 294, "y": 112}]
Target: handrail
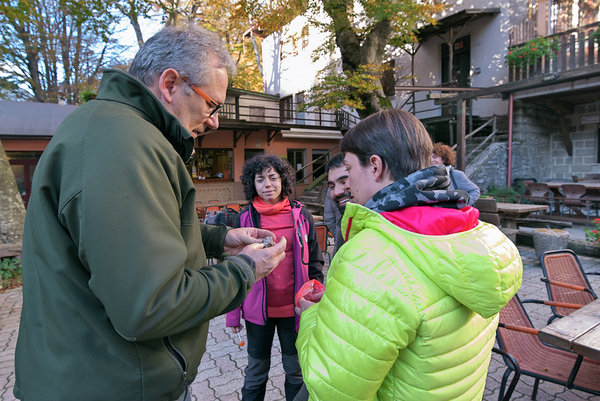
[
  {"x": 249, "y": 108},
  {"x": 317, "y": 159},
  {"x": 485, "y": 141}
]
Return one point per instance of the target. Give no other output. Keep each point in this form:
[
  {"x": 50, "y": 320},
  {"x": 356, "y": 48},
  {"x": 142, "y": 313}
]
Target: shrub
[
  {"x": 10, "y": 272},
  {"x": 503, "y": 194},
  {"x": 593, "y": 235}
]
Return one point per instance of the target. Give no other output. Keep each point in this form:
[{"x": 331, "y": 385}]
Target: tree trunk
[
  {"x": 12, "y": 209},
  {"x": 354, "y": 53}
]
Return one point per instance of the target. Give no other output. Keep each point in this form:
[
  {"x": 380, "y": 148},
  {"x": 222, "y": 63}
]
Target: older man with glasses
[{"x": 117, "y": 295}]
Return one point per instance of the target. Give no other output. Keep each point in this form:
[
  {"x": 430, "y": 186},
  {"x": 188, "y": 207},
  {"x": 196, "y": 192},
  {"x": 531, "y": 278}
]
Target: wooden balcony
[
  {"x": 577, "y": 49},
  {"x": 252, "y": 111}
]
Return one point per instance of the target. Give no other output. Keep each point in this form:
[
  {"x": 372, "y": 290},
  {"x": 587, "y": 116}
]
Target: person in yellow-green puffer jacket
[{"x": 412, "y": 298}]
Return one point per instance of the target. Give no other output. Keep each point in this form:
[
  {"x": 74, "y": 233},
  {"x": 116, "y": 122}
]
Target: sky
[{"x": 126, "y": 36}]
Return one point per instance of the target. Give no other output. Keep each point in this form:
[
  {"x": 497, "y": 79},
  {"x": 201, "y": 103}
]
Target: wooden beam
[{"x": 461, "y": 134}]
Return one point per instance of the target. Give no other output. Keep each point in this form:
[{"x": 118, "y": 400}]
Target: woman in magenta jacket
[{"x": 268, "y": 180}]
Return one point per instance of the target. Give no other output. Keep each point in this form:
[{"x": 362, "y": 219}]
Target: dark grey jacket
[{"x": 459, "y": 180}]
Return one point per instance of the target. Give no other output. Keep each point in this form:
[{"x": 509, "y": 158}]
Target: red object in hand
[{"x": 308, "y": 290}]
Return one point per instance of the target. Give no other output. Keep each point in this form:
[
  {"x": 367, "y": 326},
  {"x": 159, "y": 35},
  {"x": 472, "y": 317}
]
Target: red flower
[
  {"x": 595, "y": 231},
  {"x": 535, "y": 48}
]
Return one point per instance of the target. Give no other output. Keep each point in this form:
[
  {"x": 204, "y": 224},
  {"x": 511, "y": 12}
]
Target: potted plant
[{"x": 531, "y": 51}]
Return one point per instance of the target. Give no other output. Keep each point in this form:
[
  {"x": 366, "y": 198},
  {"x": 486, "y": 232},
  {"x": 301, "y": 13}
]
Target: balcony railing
[
  {"x": 268, "y": 111},
  {"x": 577, "y": 49}
]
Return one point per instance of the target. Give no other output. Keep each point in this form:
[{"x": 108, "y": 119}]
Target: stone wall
[
  {"x": 533, "y": 126},
  {"x": 583, "y": 129},
  {"x": 539, "y": 150},
  {"x": 489, "y": 167}
]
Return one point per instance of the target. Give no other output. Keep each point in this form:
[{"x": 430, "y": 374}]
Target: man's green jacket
[{"x": 116, "y": 292}]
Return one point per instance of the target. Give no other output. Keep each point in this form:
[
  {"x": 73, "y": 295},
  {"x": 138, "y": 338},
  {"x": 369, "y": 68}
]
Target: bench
[{"x": 488, "y": 212}]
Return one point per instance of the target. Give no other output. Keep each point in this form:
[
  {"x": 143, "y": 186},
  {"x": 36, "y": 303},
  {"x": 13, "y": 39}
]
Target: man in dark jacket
[
  {"x": 336, "y": 198},
  {"x": 116, "y": 292}
]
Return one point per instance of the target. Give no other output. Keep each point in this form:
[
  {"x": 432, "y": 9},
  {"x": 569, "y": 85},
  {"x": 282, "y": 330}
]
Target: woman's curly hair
[
  {"x": 445, "y": 152},
  {"x": 258, "y": 164}
]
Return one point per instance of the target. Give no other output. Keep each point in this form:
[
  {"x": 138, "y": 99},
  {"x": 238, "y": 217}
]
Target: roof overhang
[
  {"x": 307, "y": 133},
  {"x": 460, "y": 18},
  {"x": 31, "y": 119}
]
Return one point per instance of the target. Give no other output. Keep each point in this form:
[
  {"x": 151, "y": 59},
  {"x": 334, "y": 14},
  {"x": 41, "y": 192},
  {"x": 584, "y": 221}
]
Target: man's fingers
[{"x": 317, "y": 296}]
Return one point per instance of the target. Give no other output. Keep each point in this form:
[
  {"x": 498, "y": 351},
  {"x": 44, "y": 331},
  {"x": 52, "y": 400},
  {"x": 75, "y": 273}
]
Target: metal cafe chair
[
  {"x": 530, "y": 357},
  {"x": 322, "y": 235},
  {"x": 565, "y": 281}
]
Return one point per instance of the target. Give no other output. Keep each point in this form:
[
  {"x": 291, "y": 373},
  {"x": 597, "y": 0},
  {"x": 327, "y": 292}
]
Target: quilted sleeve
[{"x": 350, "y": 340}]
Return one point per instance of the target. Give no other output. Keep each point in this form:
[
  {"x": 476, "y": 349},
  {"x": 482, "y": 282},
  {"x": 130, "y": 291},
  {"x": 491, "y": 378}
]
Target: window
[
  {"x": 319, "y": 158},
  {"x": 23, "y": 165},
  {"x": 296, "y": 159},
  {"x": 286, "y": 108},
  {"x": 300, "y": 115},
  {"x": 207, "y": 164}
]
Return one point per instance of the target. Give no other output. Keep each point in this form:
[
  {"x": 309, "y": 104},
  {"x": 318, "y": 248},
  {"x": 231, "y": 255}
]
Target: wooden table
[
  {"x": 591, "y": 196},
  {"x": 578, "y": 332},
  {"x": 511, "y": 212},
  {"x": 593, "y": 185}
]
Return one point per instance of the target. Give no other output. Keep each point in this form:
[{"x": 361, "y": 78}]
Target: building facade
[{"x": 249, "y": 123}]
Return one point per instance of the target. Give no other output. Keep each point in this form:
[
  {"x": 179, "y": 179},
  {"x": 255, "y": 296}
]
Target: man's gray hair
[{"x": 187, "y": 49}]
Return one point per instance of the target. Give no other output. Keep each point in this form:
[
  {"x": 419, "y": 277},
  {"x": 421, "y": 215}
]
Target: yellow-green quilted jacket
[{"x": 407, "y": 316}]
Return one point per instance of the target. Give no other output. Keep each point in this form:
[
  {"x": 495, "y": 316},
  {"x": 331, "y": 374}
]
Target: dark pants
[
  {"x": 302, "y": 394},
  {"x": 260, "y": 342}
]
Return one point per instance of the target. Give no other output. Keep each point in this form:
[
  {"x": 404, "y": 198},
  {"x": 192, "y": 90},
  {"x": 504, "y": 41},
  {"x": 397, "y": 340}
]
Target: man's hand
[
  {"x": 266, "y": 259},
  {"x": 305, "y": 304},
  {"x": 238, "y": 238}
]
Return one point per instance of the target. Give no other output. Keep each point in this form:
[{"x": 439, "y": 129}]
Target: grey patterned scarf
[{"x": 427, "y": 187}]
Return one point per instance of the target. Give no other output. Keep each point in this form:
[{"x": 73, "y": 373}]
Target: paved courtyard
[{"x": 221, "y": 373}]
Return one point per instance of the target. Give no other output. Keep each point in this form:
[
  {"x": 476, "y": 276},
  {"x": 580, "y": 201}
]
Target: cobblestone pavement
[{"x": 221, "y": 373}]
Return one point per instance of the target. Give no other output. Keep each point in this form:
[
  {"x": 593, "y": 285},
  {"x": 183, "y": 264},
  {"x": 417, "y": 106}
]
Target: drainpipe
[{"x": 510, "y": 134}]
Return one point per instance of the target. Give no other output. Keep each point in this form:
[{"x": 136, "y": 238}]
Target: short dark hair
[
  {"x": 396, "y": 136},
  {"x": 257, "y": 164},
  {"x": 445, "y": 152},
  {"x": 336, "y": 161}
]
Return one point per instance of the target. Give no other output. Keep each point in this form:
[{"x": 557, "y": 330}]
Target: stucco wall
[{"x": 489, "y": 43}]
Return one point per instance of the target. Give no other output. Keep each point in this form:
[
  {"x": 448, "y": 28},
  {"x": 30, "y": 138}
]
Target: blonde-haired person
[{"x": 444, "y": 154}]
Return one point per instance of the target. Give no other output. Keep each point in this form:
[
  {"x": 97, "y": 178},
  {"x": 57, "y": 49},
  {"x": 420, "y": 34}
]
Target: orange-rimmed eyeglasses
[{"x": 212, "y": 103}]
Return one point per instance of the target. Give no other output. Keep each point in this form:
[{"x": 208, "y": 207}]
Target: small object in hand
[
  {"x": 267, "y": 242},
  {"x": 241, "y": 343},
  {"x": 308, "y": 290}
]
